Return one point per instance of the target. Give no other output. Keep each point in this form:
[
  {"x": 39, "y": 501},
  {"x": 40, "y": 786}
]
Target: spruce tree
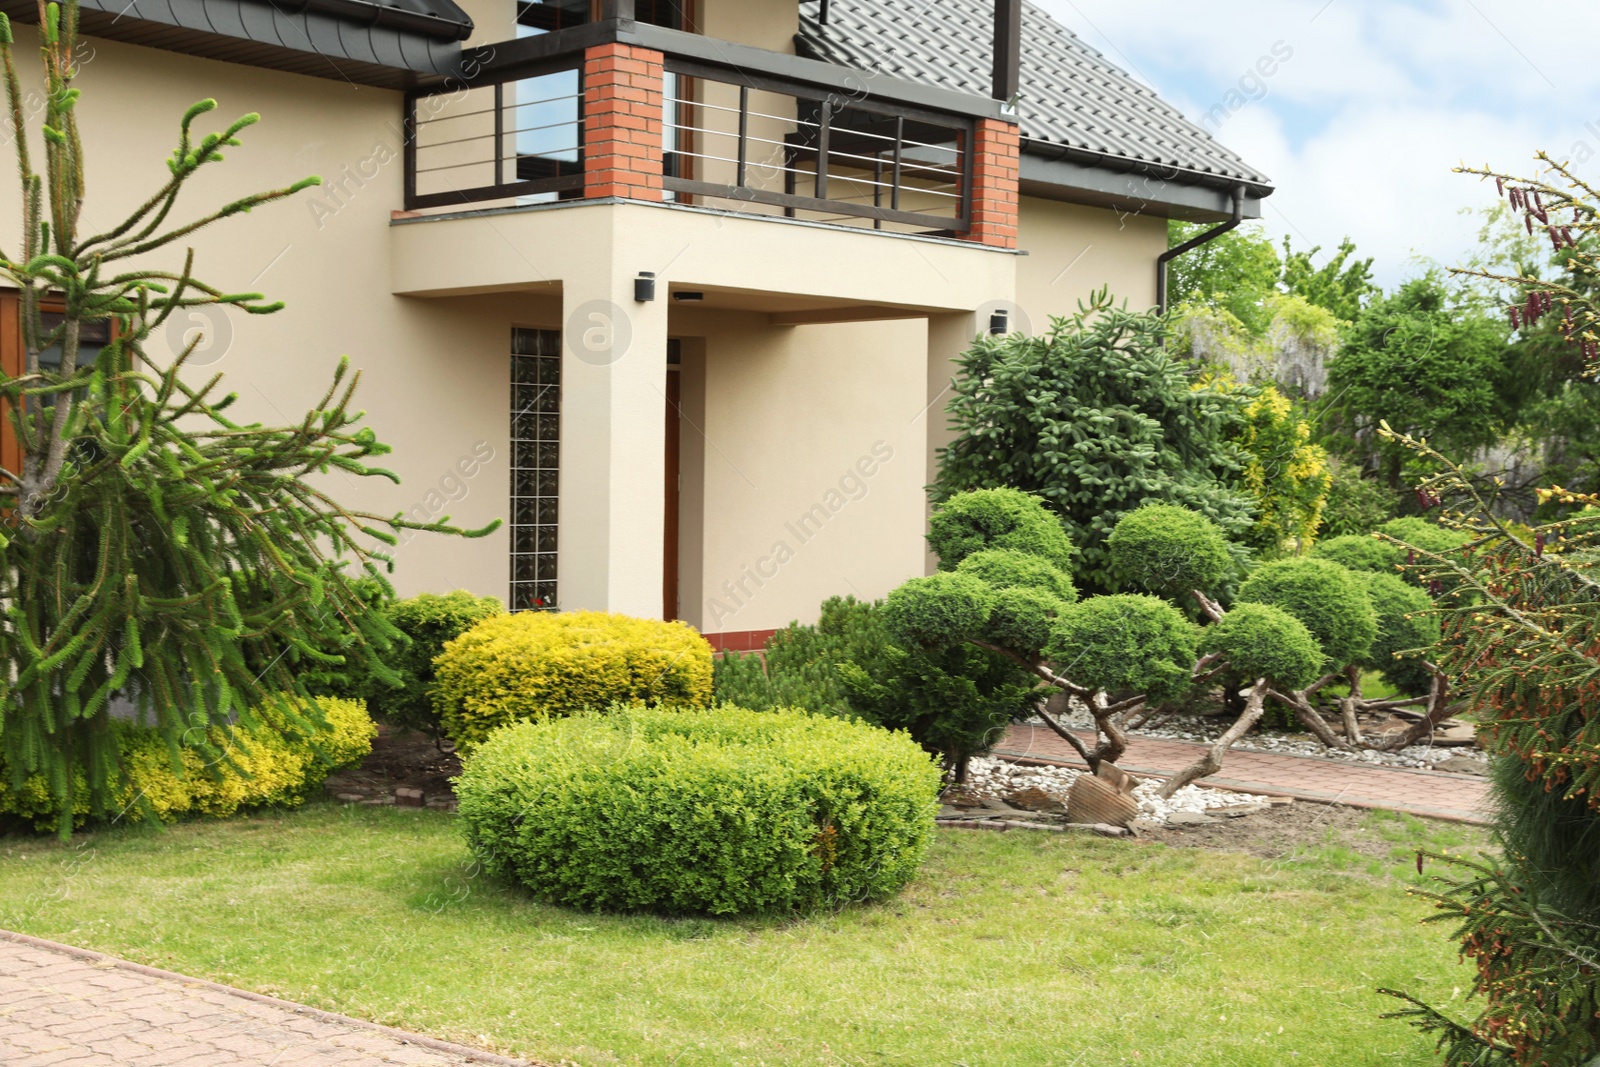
[{"x": 151, "y": 547}]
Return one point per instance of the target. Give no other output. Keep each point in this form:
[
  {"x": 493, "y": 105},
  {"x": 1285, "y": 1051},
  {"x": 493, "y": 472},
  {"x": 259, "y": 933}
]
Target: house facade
[{"x": 673, "y": 288}]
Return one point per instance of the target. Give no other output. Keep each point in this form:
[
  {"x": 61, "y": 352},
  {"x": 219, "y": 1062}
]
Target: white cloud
[{"x": 1360, "y": 128}]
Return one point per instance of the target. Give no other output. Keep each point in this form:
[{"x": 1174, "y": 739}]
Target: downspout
[{"x": 1195, "y": 242}]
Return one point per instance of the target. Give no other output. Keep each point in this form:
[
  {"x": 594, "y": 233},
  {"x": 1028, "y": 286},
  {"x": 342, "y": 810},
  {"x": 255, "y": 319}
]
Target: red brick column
[
  {"x": 995, "y": 151},
  {"x": 622, "y": 102}
]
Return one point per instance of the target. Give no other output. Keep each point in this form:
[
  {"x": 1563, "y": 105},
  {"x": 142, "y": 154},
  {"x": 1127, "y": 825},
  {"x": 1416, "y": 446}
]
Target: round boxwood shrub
[
  {"x": 540, "y": 665},
  {"x": 1329, "y": 599},
  {"x": 1405, "y": 622},
  {"x": 1167, "y": 550},
  {"x": 1261, "y": 641},
  {"x": 722, "y": 811},
  {"x": 429, "y": 620},
  {"x": 998, "y": 518},
  {"x": 938, "y": 610},
  {"x": 1360, "y": 552},
  {"x": 279, "y": 760},
  {"x": 1125, "y": 641},
  {"x": 1008, "y": 568}
]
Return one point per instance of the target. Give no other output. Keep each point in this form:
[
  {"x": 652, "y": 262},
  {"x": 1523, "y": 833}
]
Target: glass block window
[{"x": 535, "y": 467}]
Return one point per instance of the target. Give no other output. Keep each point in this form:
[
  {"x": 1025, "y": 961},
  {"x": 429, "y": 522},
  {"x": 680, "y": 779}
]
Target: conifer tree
[
  {"x": 1521, "y": 634},
  {"x": 151, "y": 547}
]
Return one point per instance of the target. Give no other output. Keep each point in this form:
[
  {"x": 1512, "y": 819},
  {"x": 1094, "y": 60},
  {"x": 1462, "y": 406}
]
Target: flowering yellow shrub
[
  {"x": 275, "y": 762},
  {"x": 534, "y": 666},
  {"x": 1285, "y": 473}
]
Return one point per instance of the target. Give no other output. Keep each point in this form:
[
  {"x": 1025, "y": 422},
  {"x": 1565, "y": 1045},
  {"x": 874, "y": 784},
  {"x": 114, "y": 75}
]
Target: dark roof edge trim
[
  {"x": 1159, "y": 172},
  {"x": 1128, "y": 191},
  {"x": 368, "y": 14}
]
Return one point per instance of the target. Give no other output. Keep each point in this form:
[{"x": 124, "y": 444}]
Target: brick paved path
[
  {"x": 74, "y": 1008},
  {"x": 1441, "y": 796}
]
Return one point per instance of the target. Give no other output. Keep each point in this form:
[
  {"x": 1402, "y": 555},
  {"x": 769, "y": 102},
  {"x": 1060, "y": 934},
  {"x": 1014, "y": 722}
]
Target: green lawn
[{"x": 1009, "y": 949}]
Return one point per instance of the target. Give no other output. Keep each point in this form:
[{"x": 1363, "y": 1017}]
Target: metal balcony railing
[{"x": 742, "y": 129}]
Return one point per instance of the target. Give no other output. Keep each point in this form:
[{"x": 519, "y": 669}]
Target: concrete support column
[
  {"x": 613, "y": 441},
  {"x": 948, "y": 337}
]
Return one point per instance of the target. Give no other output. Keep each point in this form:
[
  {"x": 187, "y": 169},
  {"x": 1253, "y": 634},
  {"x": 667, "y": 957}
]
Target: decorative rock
[
  {"x": 1189, "y": 818},
  {"x": 1239, "y": 811},
  {"x": 1280, "y": 802},
  {"x": 1462, "y": 765},
  {"x": 385, "y": 799},
  {"x": 409, "y": 798},
  {"x": 1035, "y": 799},
  {"x": 351, "y": 798}
]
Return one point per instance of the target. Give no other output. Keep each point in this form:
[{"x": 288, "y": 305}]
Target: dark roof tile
[{"x": 1071, "y": 94}]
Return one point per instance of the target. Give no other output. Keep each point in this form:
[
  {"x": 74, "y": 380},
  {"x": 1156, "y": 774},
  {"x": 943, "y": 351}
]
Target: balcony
[{"x": 619, "y": 109}]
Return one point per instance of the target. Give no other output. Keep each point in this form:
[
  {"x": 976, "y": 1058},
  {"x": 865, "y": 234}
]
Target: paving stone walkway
[
  {"x": 1459, "y": 798},
  {"x": 67, "y": 1007}
]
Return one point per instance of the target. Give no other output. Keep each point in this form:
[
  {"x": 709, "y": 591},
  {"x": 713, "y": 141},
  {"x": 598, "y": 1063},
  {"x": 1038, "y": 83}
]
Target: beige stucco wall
[
  {"x": 1073, "y": 250},
  {"x": 435, "y": 380},
  {"x": 812, "y": 466}
]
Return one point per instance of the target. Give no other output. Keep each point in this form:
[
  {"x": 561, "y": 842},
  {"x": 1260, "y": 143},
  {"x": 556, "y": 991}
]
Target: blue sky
[{"x": 1360, "y": 126}]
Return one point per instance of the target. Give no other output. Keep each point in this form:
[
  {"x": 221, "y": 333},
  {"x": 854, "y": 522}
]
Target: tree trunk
[
  {"x": 1349, "y": 705},
  {"x": 1211, "y": 761},
  {"x": 1114, "y": 742},
  {"x": 1069, "y": 737},
  {"x": 1439, "y": 709},
  {"x": 1300, "y": 701}
]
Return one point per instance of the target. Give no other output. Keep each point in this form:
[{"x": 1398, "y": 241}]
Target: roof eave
[{"x": 1060, "y": 172}]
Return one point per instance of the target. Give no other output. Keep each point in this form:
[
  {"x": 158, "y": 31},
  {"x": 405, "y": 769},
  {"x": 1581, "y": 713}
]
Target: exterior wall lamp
[{"x": 644, "y": 286}]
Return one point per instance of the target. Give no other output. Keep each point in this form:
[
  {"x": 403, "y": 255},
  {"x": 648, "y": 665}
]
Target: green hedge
[
  {"x": 429, "y": 621},
  {"x": 721, "y": 811}
]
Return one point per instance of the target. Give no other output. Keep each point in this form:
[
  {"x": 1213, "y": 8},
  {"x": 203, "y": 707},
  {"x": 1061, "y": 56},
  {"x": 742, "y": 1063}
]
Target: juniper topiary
[
  {"x": 153, "y": 547},
  {"x": 998, "y": 518},
  {"x": 1169, "y": 551},
  {"x": 1323, "y": 595}
]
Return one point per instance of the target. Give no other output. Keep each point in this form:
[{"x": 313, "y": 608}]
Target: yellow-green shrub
[
  {"x": 540, "y": 665},
  {"x": 276, "y": 762}
]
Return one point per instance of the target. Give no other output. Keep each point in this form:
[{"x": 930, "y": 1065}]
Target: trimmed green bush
[
  {"x": 1022, "y": 620},
  {"x": 998, "y": 518},
  {"x": 1169, "y": 551},
  {"x": 938, "y": 610},
  {"x": 1261, "y": 641},
  {"x": 1008, "y": 568},
  {"x": 1329, "y": 599},
  {"x": 429, "y": 621},
  {"x": 799, "y": 667},
  {"x": 1125, "y": 641},
  {"x": 1360, "y": 552},
  {"x": 538, "y": 665},
  {"x": 1405, "y": 622},
  {"x": 1423, "y": 534},
  {"x": 276, "y": 762},
  {"x": 723, "y": 811}
]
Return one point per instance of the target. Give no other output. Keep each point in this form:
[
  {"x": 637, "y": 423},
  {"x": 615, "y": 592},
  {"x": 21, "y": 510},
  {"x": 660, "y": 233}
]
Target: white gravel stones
[
  {"x": 998, "y": 778},
  {"x": 1418, "y": 757}
]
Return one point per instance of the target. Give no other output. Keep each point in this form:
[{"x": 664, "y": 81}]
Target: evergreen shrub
[
  {"x": 1360, "y": 552},
  {"x": 1169, "y": 551},
  {"x": 1406, "y": 621},
  {"x": 429, "y": 621},
  {"x": 799, "y": 668},
  {"x": 277, "y": 761},
  {"x": 998, "y": 518},
  {"x": 1126, "y": 641},
  {"x": 538, "y": 665},
  {"x": 1261, "y": 641},
  {"x": 721, "y": 811},
  {"x": 1329, "y": 599}
]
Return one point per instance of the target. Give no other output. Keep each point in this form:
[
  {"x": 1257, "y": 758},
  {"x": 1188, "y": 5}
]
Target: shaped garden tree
[
  {"x": 1298, "y": 625},
  {"x": 152, "y": 546}
]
